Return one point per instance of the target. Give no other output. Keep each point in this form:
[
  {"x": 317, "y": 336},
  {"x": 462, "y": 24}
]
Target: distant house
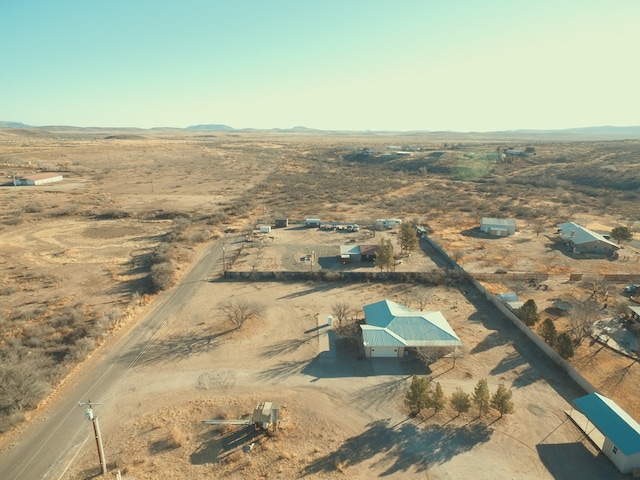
[
  {"x": 39, "y": 179},
  {"x": 357, "y": 253},
  {"x": 282, "y": 222},
  {"x": 621, "y": 432},
  {"x": 350, "y": 253},
  {"x": 582, "y": 240},
  {"x": 498, "y": 227},
  {"x": 391, "y": 329}
]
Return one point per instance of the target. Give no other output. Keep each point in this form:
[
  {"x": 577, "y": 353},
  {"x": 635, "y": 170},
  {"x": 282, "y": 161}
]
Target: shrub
[{"x": 162, "y": 275}]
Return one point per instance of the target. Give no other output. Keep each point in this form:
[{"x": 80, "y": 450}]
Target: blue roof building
[
  {"x": 390, "y": 329},
  {"x": 621, "y": 432}
]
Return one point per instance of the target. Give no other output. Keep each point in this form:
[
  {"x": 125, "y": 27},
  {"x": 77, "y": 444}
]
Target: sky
[{"x": 402, "y": 65}]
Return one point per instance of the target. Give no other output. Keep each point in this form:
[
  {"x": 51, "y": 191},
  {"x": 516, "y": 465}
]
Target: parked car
[{"x": 632, "y": 288}]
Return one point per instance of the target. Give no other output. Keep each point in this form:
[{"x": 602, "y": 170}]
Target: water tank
[{"x": 330, "y": 320}]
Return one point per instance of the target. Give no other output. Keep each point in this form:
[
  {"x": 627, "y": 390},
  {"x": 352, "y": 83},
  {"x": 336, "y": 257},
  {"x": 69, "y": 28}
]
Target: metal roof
[
  {"x": 416, "y": 329},
  {"x": 349, "y": 249},
  {"x": 501, "y": 222},
  {"x": 612, "y": 421},
  {"x": 380, "y": 337},
  {"x": 579, "y": 234}
]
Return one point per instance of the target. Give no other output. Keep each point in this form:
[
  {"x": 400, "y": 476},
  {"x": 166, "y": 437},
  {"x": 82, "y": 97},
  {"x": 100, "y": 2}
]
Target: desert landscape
[{"x": 88, "y": 260}]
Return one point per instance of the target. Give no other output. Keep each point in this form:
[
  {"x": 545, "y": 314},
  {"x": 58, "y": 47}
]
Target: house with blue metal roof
[
  {"x": 621, "y": 432},
  {"x": 391, "y": 329}
]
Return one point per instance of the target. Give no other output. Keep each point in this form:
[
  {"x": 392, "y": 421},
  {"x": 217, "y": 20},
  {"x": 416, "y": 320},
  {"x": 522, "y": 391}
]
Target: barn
[
  {"x": 39, "y": 179},
  {"x": 393, "y": 330},
  {"x": 498, "y": 227},
  {"x": 621, "y": 432}
]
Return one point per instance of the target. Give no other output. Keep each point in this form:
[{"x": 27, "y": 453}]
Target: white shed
[{"x": 498, "y": 227}]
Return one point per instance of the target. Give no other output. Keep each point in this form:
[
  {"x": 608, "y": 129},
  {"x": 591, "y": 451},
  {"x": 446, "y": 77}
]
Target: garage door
[{"x": 384, "y": 352}]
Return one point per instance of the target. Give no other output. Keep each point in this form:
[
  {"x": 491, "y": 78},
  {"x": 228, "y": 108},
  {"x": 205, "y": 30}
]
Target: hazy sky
[{"x": 465, "y": 65}]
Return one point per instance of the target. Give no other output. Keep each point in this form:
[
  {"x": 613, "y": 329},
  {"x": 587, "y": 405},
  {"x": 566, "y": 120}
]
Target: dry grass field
[{"x": 83, "y": 259}]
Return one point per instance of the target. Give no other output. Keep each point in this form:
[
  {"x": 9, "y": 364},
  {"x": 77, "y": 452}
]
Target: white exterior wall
[{"x": 620, "y": 460}]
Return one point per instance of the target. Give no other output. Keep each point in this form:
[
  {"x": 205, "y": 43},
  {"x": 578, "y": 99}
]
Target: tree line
[{"x": 422, "y": 395}]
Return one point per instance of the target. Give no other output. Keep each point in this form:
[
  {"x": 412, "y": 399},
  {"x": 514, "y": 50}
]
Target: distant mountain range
[{"x": 629, "y": 132}]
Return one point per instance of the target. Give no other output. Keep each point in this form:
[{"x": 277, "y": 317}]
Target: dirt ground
[{"x": 344, "y": 415}]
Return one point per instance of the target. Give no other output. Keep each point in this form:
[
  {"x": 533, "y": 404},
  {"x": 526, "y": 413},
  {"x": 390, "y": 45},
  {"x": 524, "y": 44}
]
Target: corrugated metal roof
[
  {"x": 612, "y": 421},
  {"x": 579, "y": 234},
  {"x": 500, "y": 222},
  {"x": 417, "y": 329},
  {"x": 380, "y": 337},
  {"x": 349, "y": 249}
]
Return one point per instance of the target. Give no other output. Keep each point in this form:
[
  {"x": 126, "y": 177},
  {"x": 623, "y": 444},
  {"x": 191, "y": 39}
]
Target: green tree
[
  {"x": 564, "y": 345},
  {"x": 548, "y": 332},
  {"x": 437, "y": 400},
  {"x": 418, "y": 395},
  {"x": 460, "y": 401},
  {"x": 385, "y": 256},
  {"x": 407, "y": 237},
  {"x": 528, "y": 312},
  {"x": 501, "y": 400},
  {"x": 481, "y": 396},
  {"x": 622, "y": 233}
]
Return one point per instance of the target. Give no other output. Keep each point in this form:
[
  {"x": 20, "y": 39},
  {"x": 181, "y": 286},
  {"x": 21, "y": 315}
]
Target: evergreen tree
[
  {"x": 481, "y": 396},
  {"x": 501, "y": 400},
  {"x": 528, "y": 312},
  {"x": 564, "y": 345},
  {"x": 437, "y": 400},
  {"x": 460, "y": 401},
  {"x": 547, "y": 331},
  {"x": 385, "y": 256},
  {"x": 418, "y": 395},
  {"x": 407, "y": 237},
  {"x": 622, "y": 234}
]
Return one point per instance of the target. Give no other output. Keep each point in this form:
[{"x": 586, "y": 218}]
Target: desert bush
[
  {"x": 33, "y": 207},
  {"x": 7, "y": 290},
  {"x": 177, "y": 438},
  {"x": 163, "y": 275},
  {"x": 82, "y": 348},
  {"x": 161, "y": 254},
  {"x": 198, "y": 237}
]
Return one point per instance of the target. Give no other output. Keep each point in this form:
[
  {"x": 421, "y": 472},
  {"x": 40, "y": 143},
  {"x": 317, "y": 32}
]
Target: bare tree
[
  {"x": 597, "y": 288},
  {"x": 422, "y": 297},
  {"x": 341, "y": 311},
  {"x": 583, "y": 315},
  {"x": 238, "y": 311}
]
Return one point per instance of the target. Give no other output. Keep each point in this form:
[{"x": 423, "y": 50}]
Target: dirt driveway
[{"x": 344, "y": 416}]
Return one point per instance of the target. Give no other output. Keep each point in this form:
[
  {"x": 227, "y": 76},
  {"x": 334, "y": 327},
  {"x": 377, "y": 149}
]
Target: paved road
[{"x": 44, "y": 448}]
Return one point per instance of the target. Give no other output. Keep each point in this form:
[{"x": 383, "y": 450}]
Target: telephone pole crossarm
[{"x": 96, "y": 430}]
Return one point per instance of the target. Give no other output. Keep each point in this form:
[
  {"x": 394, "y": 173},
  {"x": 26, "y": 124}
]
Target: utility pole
[{"x": 96, "y": 430}]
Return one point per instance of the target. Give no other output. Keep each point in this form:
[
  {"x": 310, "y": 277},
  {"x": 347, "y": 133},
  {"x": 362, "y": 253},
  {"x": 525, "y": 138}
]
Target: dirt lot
[
  {"x": 344, "y": 415},
  {"x": 81, "y": 244}
]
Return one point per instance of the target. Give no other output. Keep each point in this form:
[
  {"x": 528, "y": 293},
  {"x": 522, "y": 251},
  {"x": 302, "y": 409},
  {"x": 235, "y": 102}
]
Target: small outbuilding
[
  {"x": 39, "y": 179},
  {"x": 282, "y": 223},
  {"x": 621, "y": 432},
  {"x": 498, "y": 227},
  {"x": 350, "y": 253}
]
